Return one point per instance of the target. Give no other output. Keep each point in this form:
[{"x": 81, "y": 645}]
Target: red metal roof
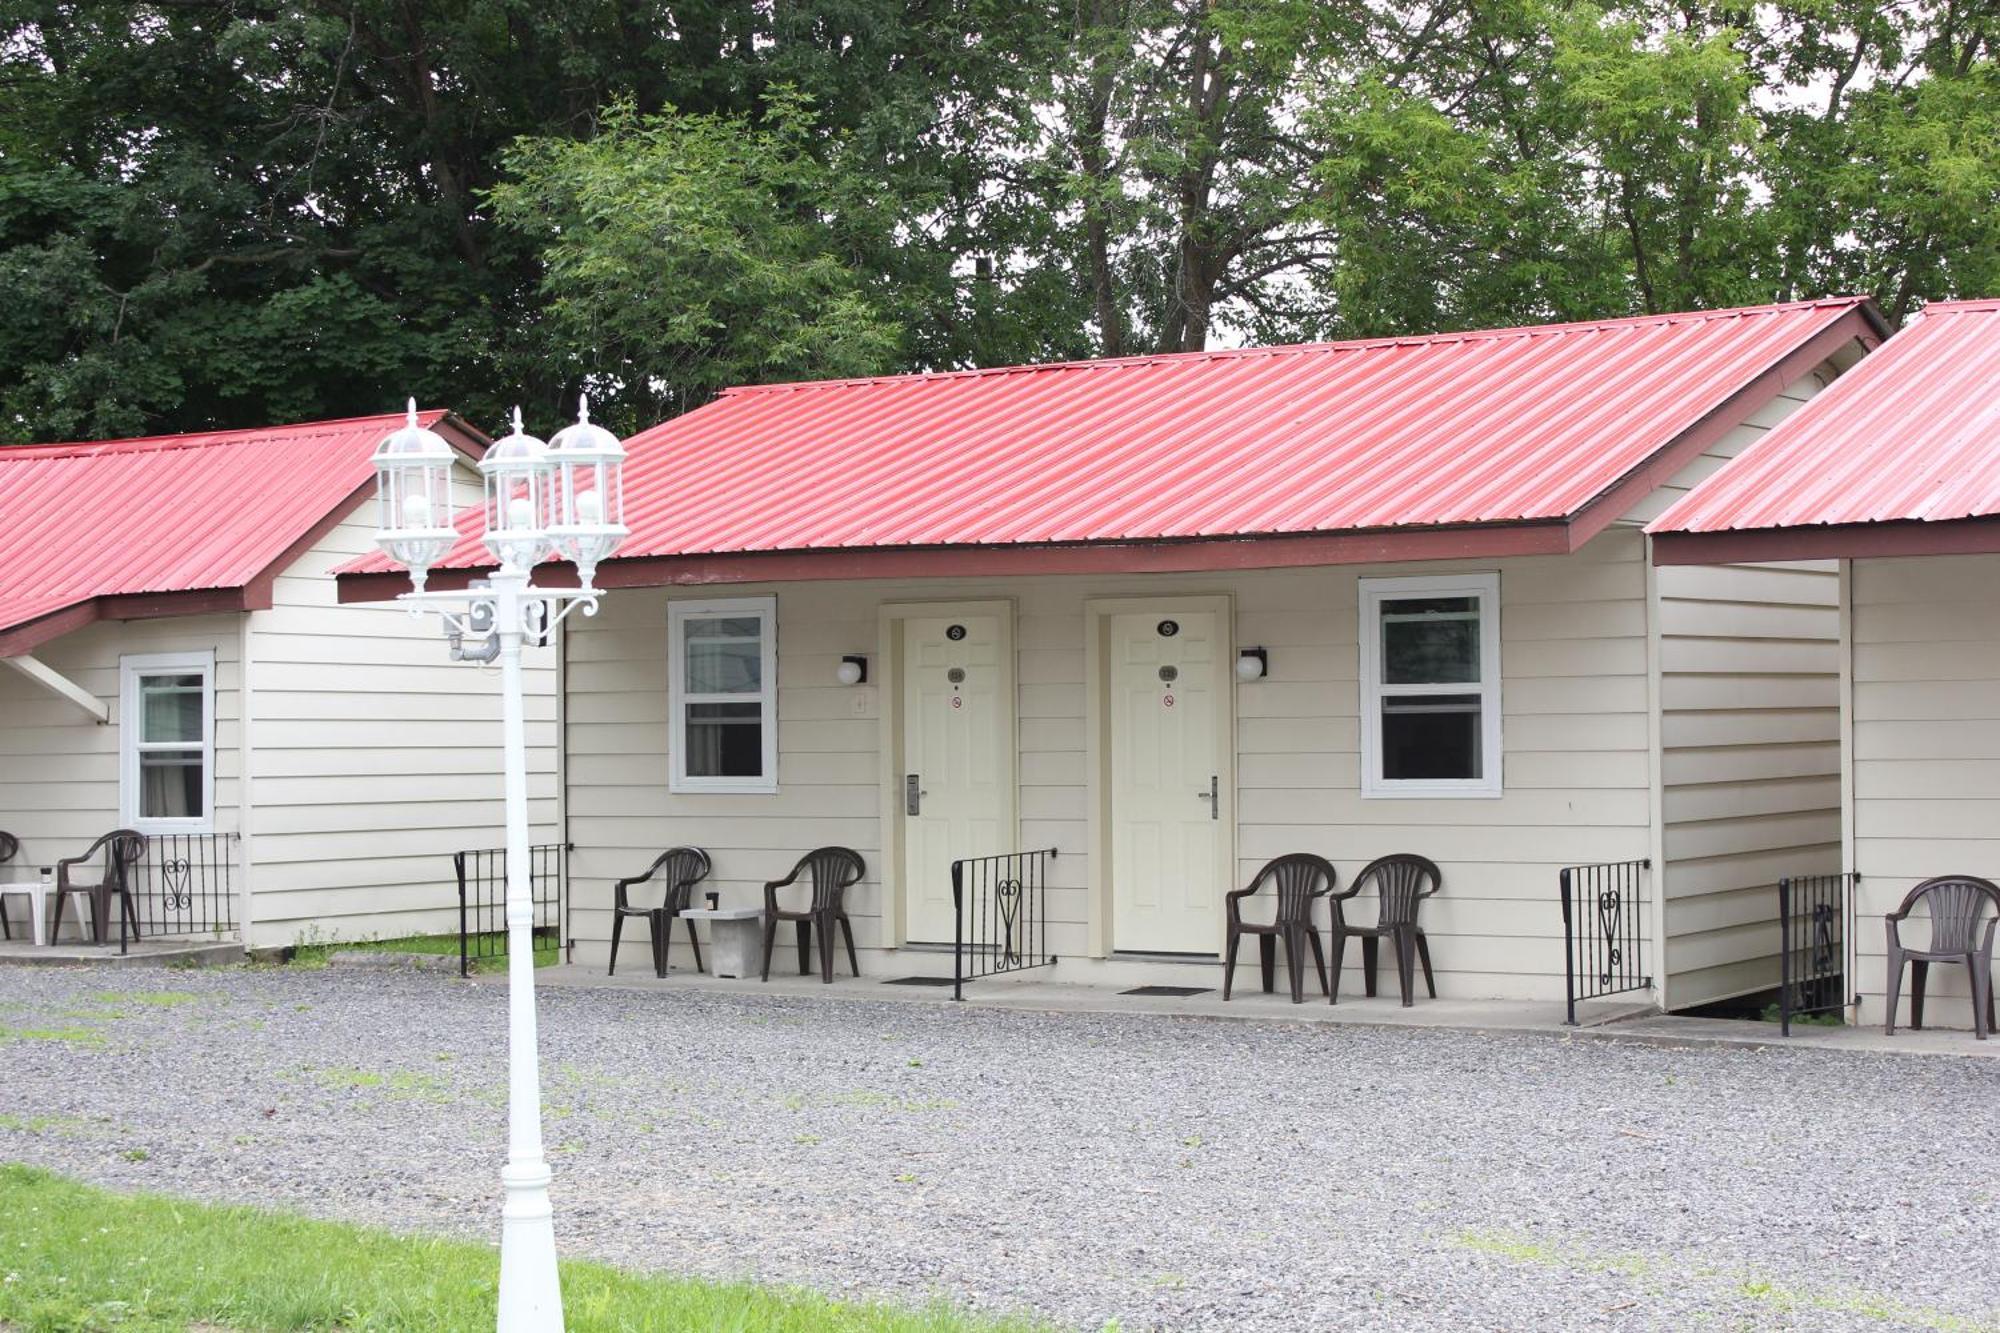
[
  {"x": 1511, "y": 426},
  {"x": 174, "y": 514},
  {"x": 1911, "y": 435}
]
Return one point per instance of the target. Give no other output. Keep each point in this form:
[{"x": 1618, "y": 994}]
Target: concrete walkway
[
  {"x": 1034, "y": 992},
  {"x": 174, "y": 951}
]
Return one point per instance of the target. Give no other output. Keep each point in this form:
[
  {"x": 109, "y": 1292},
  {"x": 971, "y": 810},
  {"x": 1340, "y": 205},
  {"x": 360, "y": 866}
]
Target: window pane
[
  {"x": 725, "y": 740},
  {"x": 170, "y": 708},
  {"x": 724, "y": 656},
  {"x": 1435, "y": 736},
  {"x": 1430, "y": 641},
  {"x": 170, "y": 785}
]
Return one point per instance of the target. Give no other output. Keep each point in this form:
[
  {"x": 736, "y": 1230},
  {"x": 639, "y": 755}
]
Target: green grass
[
  {"x": 1832, "y": 1018},
  {"x": 314, "y": 954},
  {"x": 74, "y": 1035},
  {"x": 151, "y": 999},
  {"x": 41, "y": 1124},
  {"x": 74, "y": 1258},
  {"x": 1671, "y": 1271}
]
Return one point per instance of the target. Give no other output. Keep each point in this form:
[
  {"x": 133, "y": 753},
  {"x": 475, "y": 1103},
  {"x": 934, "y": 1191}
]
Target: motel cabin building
[
  {"x": 181, "y": 667},
  {"x": 1894, "y": 476},
  {"x": 1434, "y": 549}
]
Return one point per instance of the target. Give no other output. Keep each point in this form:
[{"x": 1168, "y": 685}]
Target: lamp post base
[{"x": 530, "y": 1291}]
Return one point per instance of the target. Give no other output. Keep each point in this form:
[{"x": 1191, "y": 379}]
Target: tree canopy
[{"x": 223, "y": 212}]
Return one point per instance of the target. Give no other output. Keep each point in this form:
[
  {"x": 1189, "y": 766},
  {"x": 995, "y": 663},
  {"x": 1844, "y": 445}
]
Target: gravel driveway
[{"x": 1165, "y": 1173}]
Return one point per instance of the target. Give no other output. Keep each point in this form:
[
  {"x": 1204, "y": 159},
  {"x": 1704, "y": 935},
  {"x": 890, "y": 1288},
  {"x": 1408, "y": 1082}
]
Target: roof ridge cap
[
  {"x": 1963, "y": 305},
  {"x": 196, "y": 439},
  {"x": 1442, "y": 338}
]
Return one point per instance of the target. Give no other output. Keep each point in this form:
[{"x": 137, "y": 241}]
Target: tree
[
  {"x": 1183, "y": 186},
  {"x": 688, "y": 253},
  {"x": 215, "y": 212}
]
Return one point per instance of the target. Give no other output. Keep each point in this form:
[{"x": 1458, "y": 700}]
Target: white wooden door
[
  {"x": 957, "y": 790},
  {"x": 1170, "y": 780}
]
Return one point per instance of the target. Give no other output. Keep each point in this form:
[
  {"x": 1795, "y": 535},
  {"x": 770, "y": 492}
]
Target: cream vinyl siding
[
  {"x": 375, "y": 757},
  {"x": 1926, "y": 748},
  {"x": 1750, "y": 762},
  {"x": 1749, "y": 696},
  {"x": 1710, "y": 460},
  {"x": 59, "y": 768},
  {"x": 1576, "y": 745}
]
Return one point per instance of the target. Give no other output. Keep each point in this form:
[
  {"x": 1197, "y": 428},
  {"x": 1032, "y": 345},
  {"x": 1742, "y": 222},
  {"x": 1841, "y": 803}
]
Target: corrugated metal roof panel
[
  {"x": 173, "y": 513},
  {"x": 1910, "y": 434},
  {"x": 1502, "y": 426}
]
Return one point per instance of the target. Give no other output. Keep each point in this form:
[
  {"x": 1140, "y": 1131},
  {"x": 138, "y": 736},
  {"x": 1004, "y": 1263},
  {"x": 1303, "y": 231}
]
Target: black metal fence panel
[
  {"x": 1812, "y": 945},
  {"x": 482, "y": 900},
  {"x": 1002, "y": 908},
  {"x": 184, "y": 886},
  {"x": 1605, "y": 911}
]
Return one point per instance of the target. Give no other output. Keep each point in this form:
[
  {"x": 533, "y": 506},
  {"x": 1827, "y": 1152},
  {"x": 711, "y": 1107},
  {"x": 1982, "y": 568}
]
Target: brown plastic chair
[
  {"x": 122, "y": 850},
  {"x": 833, "y": 870},
  {"x": 1957, "y": 905},
  {"x": 10, "y": 847},
  {"x": 682, "y": 868},
  {"x": 1300, "y": 879},
  {"x": 1402, "y": 882}
]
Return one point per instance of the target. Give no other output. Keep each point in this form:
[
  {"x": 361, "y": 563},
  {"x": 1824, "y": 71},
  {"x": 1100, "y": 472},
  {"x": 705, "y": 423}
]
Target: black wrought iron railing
[
  {"x": 1605, "y": 908},
  {"x": 482, "y": 901},
  {"x": 1002, "y": 908},
  {"x": 183, "y": 887},
  {"x": 1812, "y": 946}
]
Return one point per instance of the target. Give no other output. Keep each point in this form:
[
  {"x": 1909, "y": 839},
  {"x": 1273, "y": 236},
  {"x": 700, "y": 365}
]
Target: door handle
[
  {"x": 913, "y": 799},
  {"x": 1213, "y": 796}
]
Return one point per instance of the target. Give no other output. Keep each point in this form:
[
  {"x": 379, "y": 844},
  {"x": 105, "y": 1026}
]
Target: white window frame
[
  {"x": 1374, "y": 592},
  {"x": 130, "y": 670},
  {"x": 679, "y": 614}
]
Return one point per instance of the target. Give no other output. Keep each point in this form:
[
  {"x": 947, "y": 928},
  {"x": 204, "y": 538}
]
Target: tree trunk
[
  {"x": 1632, "y": 228},
  {"x": 1096, "y": 165},
  {"x": 451, "y": 192},
  {"x": 1198, "y": 263}
]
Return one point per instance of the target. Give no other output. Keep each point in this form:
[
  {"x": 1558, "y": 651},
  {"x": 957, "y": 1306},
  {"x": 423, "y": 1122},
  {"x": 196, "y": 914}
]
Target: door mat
[
  {"x": 918, "y": 981},
  {"x": 1168, "y": 990}
]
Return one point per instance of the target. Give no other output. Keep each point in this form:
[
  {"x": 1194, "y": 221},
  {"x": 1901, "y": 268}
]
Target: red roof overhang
[
  {"x": 1959, "y": 536},
  {"x": 253, "y": 593},
  {"x": 1858, "y": 321},
  {"x": 1900, "y": 458}
]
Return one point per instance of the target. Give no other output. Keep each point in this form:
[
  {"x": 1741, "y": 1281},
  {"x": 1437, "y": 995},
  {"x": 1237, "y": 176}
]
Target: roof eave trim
[
  {"x": 1199, "y": 555},
  {"x": 1898, "y": 537},
  {"x": 29, "y": 635}
]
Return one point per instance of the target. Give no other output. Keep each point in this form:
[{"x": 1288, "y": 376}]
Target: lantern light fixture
[
  {"x": 586, "y": 495},
  {"x": 517, "y": 470},
  {"x": 1252, "y": 664},
  {"x": 413, "y": 497}
]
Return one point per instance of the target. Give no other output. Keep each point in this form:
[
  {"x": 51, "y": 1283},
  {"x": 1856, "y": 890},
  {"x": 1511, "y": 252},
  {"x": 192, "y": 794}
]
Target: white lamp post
[{"x": 565, "y": 500}]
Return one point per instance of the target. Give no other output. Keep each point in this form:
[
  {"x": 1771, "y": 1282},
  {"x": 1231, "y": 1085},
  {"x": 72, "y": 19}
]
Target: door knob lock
[{"x": 1213, "y": 796}]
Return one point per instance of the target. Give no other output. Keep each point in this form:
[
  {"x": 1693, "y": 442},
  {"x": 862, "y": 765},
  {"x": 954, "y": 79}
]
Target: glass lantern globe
[
  {"x": 586, "y": 493},
  {"x": 516, "y": 472},
  {"x": 413, "y": 497}
]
